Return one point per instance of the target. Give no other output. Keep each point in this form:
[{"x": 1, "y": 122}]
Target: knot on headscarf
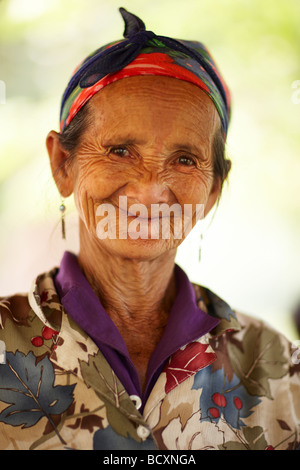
[
  {"x": 133, "y": 24},
  {"x": 115, "y": 58},
  {"x": 159, "y": 55}
]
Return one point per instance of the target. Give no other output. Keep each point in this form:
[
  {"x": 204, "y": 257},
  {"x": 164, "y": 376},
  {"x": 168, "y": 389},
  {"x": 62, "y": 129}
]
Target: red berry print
[
  {"x": 214, "y": 412},
  {"x": 48, "y": 332},
  {"x": 223, "y": 401},
  {"x": 269, "y": 448},
  {"x": 238, "y": 403},
  {"x": 219, "y": 399},
  {"x": 37, "y": 341}
]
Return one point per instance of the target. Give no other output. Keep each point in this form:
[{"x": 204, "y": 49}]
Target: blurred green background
[{"x": 250, "y": 252}]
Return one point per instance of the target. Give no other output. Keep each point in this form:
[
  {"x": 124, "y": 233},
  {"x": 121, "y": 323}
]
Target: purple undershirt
[{"x": 187, "y": 322}]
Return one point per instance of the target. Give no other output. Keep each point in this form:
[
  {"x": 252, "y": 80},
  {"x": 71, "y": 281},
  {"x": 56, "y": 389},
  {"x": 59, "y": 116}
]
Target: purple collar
[{"x": 187, "y": 322}]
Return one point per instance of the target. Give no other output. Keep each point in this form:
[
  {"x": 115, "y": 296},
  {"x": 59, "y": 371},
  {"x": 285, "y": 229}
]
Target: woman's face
[{"x": 149, "y": 143}]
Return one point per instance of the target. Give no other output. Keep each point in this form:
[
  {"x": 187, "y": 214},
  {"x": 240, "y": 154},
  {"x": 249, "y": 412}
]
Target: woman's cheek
[
  {"x": 84, "y": 204},
  {"x": 192, "y": 190},
  {"x": 84, "y": 196},
  {"x": 193, "y": 199},
  {"x": 90, "y": 191}
]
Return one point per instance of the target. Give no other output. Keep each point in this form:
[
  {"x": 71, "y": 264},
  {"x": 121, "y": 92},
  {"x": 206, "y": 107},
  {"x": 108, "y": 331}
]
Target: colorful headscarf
[{"x": 144, "y": 53}]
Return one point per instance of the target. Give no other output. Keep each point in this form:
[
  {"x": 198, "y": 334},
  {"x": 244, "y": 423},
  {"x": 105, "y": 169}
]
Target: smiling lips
[
  {"x": 138, "y": 213},
  {"x": 140, "y": 217}
]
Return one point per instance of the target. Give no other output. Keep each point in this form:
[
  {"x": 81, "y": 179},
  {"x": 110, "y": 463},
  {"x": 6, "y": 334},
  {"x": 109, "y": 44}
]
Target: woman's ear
[{"x": 60, "y": 168}]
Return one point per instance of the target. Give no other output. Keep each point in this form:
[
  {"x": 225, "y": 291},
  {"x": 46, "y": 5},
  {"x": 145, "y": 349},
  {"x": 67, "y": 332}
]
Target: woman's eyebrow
[
  {"x": 190, "y": 148},
  {"x": 121, "y": 140}
]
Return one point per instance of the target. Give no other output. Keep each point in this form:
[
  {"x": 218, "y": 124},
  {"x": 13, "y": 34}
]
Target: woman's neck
[
  {"x": 130, "y": 286},
  {"x": 136, "y": 294}
]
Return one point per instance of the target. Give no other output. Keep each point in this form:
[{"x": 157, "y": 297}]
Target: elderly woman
[{"x": 116, "y": 349}]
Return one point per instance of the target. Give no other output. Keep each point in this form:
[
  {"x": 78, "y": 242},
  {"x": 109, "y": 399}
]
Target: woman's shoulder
[
  {"x": 14, "y": 308},
  {"x": 231, "y": 317},
  {"x": 247, "y": 335},
  {"x": 15, "y": 323},
  {"x": 24, "y": 325},
  {"x": 20, "y": 313},
  {"x": 259, "y": 333}
]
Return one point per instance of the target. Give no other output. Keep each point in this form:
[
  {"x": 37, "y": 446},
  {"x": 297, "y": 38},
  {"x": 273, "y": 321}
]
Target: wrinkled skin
[{"x": 150, "y": 140}]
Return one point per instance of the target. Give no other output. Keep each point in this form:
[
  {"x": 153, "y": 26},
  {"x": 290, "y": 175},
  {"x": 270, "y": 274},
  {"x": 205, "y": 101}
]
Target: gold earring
[{"x": 62, "y": 209}]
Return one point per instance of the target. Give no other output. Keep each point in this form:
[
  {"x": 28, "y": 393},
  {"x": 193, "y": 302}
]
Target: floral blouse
[{"x": 235, "y": 388}]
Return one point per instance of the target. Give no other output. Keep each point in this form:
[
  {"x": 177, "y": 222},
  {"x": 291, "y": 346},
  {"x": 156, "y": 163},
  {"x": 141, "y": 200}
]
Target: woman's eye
[
  {"x": 120, "y": 151},
  {"x": 187, "y": 161}
]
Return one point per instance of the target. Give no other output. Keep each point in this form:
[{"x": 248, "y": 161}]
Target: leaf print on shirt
[
  {"x": 186, "y": 362},
  {"x": 121, "y": 413},
  {"x": 28, "y": 387},
  {"x": 223, "y": 399},
  {"x": 258, "y": 358},
  {"x": 251, "y": 439}
]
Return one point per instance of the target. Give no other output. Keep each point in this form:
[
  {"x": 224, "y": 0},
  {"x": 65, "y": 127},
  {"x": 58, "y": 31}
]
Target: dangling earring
[
  {"x": 200, "y": 247},
  {"x": 62, "y": 209}
]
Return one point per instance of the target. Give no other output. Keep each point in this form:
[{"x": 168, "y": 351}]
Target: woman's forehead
[{"x": 154, "y": 100}]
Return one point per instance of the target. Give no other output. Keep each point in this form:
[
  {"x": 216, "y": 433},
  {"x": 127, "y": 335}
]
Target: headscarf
[{"x": 144, "y": 53}]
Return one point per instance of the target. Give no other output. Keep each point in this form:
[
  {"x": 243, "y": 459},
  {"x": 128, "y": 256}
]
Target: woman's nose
[{"x": 147, "y": 191}]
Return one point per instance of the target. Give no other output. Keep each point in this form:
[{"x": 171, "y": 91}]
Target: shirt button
[
  {"x": 142, "y": 432},
  {"x": 136, "y": 400}
]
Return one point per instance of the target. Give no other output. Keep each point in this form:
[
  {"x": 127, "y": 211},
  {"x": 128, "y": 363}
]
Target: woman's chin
[{"x": 139, "y": 248}]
